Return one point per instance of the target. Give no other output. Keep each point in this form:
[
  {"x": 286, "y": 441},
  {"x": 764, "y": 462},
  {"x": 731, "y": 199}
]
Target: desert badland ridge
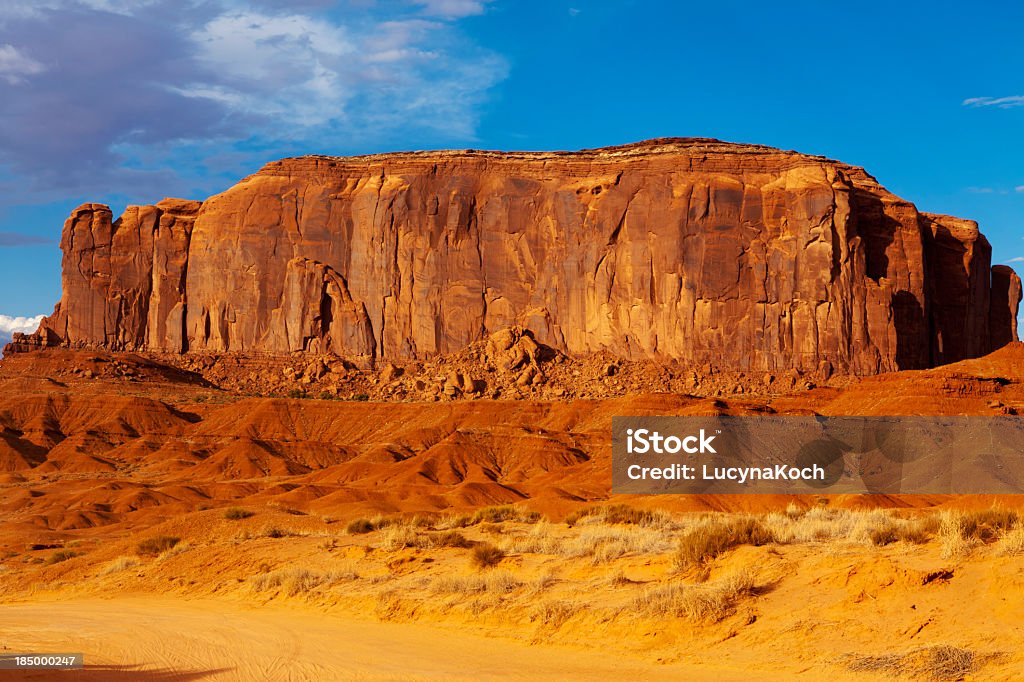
[{"x": 732, "y": 256}]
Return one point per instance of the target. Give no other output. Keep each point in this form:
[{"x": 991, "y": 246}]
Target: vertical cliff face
[
  {"x": 738, "y": 256},
  {"x": 124, "y": 281}
]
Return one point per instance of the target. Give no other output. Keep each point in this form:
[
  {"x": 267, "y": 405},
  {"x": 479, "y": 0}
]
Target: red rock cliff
[{"x": 739, "y": 256}]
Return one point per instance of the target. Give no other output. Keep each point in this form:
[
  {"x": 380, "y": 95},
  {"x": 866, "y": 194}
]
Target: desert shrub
[
  {"x": 296, "y": 393},
  {"x": 485, "y": 555},
  {"x": 961, "y": 531},
  {"x": 987, "y": 525},
  {"x": 275, "y": 532},
  {"x": 913, "y": 531},
  {"x": 448, "y": 538},
  {"x": 360, "y": 397},
  {"x": 455, "y": 521},
  {"x": 179, "y": 548},
  {"x": 156, "y": 545},
  {"x": 503, "y": 513},
  {"x": 703, "y": 543},
  {"x": 237, "y": 514},
  {"x": 61, "y": 555},
  {"x": 617, "y": 514},
  {"x": 360, "y": 527}
]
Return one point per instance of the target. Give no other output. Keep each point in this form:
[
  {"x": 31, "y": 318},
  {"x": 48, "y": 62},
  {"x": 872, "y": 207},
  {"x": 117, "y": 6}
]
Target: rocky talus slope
[{"x": 731, "y": 257}]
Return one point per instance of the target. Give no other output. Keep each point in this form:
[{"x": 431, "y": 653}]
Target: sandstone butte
[{"x": 733, "y": 256}]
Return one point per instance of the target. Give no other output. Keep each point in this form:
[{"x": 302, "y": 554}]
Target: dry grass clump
[
  {"x": 179, "y": 548},
  {"x": 1012, "y": 542},
  {"x": 878, "y": 527},
  {"x": 706, "y": 542},
  {"x": 485, "y": 555},
  {"x": 156, "y": 545},
  {"x": 987, "y": 525},
  {"x": 361, "y": 526},
  {"x": 296, "y": 581},
  {"x": 961, "y": 531},
  {"x": 605, "y": 545},
  {"x": 916, "y": 531},
  {"x": 540, "y": 540},
  {"x": 495, "y": 582},
  {"x": 940, "y": 663},
  {"x": 119, "y": 564},
  {"x": 448, "y": 538},
  {"x": 553, "y": 613},
  {"x": 503, "y": 513},
  {"x": 60, "y": 556},
  {"x": 619, "y": 514},
  {"x": 398, "y": 537},
  {"x": 709, "y": 603},
  {"x": 237, "y": 514},
  {"x": 275, "y": 532}
]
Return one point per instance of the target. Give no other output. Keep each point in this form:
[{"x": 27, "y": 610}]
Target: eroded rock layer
[{"x": 737, "y": 257}]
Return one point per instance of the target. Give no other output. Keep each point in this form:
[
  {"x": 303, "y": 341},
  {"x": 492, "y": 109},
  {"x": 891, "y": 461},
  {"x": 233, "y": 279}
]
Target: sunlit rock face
[{"x": 738, "y": 257}]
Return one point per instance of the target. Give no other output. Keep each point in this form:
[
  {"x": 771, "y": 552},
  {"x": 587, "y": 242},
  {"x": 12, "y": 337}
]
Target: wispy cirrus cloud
[
  {"x": 180, "y": 97},
  {"x": 1001, "y": 102}
]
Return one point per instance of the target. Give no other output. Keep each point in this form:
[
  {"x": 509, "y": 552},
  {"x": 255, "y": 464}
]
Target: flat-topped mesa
[{"x": 742, "y": 257}]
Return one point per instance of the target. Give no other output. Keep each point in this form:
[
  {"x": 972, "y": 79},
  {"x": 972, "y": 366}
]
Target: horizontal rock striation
[{"x": 739, "y": 257}]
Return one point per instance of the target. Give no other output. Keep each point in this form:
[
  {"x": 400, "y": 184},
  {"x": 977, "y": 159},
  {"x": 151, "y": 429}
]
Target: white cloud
[
  {"x": 290, "y": 67},
  {"x": 15, "y": 65},
  {"x": 1019, "y": 188},
  {"x": 453, "y": 9},
  {"x": 1018, "y": 259},
  {"x": 10, "y": 325},
  {"x": 310, "y": 72},
  {"x": 256, "y": 78},
  {"x": 1001, "y": 102}
]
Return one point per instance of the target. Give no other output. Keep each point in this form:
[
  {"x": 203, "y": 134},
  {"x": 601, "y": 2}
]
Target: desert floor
[{"x": 171, "y": 530}]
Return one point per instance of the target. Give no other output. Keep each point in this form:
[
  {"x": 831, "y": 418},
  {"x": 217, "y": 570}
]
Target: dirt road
[{"x": 157, "y": 640}]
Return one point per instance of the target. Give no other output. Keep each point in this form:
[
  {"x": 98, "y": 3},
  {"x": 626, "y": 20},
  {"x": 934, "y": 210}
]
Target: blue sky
[{"x": 129, "y": 101}]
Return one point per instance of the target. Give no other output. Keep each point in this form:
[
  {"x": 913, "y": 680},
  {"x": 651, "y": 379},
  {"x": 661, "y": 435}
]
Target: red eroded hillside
[{"x": 113, "y": 452}]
